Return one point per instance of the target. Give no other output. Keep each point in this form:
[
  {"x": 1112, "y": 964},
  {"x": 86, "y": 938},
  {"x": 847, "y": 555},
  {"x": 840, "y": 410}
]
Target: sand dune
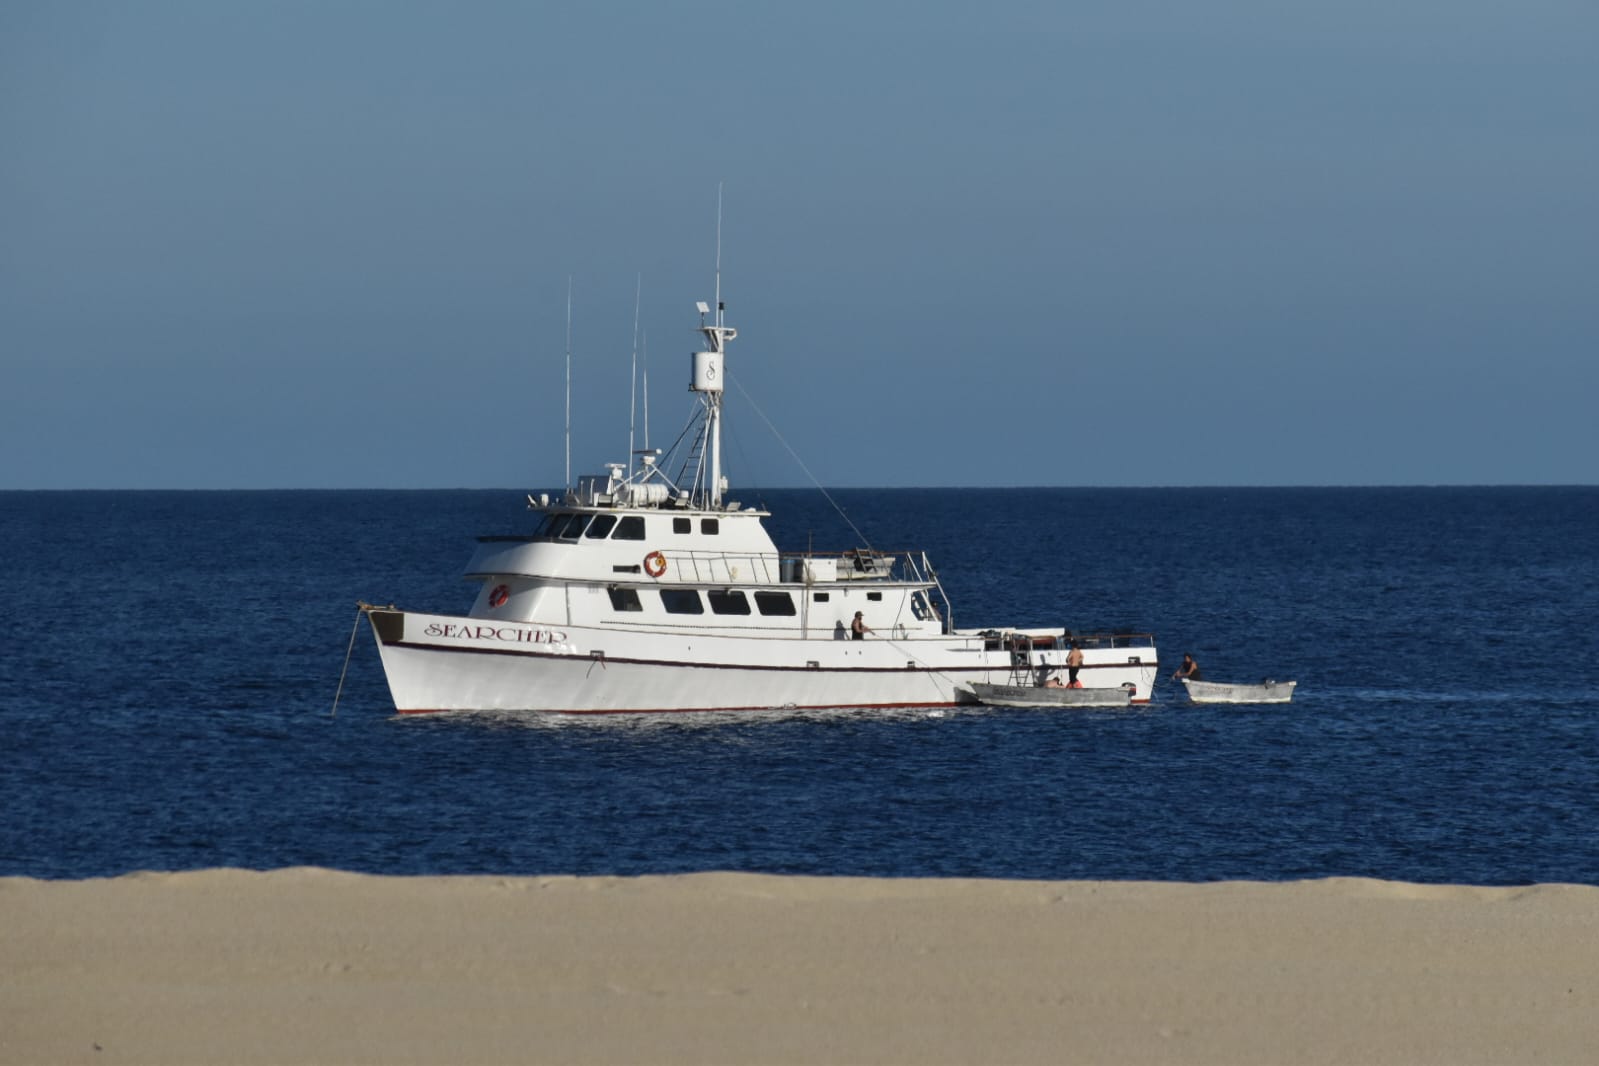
[{"x": 306, "y": 965}]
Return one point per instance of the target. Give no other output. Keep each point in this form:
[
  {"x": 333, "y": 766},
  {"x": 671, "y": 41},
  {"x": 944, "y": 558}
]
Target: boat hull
[
  {"x": 437, "y": 663},
  {"x": 1221, "y": 692},
  {"x": 1035, "y": 696}
]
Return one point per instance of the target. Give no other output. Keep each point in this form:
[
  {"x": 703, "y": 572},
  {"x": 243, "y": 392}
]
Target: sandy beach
[{"x": 310, "y": 965}]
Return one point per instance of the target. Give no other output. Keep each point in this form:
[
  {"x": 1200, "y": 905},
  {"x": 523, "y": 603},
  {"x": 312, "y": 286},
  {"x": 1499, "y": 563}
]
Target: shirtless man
[{"x": 1074, "y": 663}]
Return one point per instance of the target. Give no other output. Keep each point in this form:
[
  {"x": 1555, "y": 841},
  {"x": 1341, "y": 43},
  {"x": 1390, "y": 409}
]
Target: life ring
[
  {"x": 500, "y": 594},
  {"x": 655, "y": 564}
]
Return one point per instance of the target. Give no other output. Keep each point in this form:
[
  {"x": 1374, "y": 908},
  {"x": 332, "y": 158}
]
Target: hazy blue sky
[{"x": 1240, "y": 242}]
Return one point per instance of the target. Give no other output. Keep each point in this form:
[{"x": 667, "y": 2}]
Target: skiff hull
[
  {"x": 1221, "y": 692},
  {"x": 1036, "y": 696}
]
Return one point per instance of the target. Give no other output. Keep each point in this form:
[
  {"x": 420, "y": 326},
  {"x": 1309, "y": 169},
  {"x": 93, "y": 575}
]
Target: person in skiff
[
  {"x": 1189, "y": 670},
  {"x": 858, "y": 628},
  {"x": 1074, "y": 663}
]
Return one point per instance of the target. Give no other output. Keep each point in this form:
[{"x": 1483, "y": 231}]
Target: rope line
[
  {"x": 360, "y": 611},
  {"x": 795, "y": 456}
]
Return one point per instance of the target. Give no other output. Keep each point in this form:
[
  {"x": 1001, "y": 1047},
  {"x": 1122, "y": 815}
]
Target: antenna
[
  {"x": 646, "y": 336},
  {"x": 569, "y": 382},
  {"x": 632, "y": 381},
  {"x": 713, "y": 426},
  {"x": 719, "y": 253}
]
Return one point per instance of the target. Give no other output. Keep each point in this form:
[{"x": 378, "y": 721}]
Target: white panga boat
[
  {"x": 1223, "y": 692},
  {"x": 644, "y": 592},
  {"x": 1045, "y": 696}
]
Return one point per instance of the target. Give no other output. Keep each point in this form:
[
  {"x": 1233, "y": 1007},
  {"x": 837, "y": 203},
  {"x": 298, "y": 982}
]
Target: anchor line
[{"x": 361, "y": 609}]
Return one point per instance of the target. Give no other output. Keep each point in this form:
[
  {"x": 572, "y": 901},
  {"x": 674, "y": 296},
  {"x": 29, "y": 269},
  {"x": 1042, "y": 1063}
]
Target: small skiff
[
  {"x": 1221, "y": 692},
  {"x": 1039, "y": 696}
]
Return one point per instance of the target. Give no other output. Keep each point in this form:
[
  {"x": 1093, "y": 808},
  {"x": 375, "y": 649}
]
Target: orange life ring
[
  {"x": 500, "y": 594},
  {"x": 655, "y": 564}
]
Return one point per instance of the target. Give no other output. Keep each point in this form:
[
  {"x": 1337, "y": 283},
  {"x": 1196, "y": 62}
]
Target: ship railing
[
  {"x": 854, "y": 564},
  {"x": 1027, "y": 640},
  {"x": 801, "y": 568},
  {"x": 725, "y": 568},
  {"x": 922, "y": 570}
]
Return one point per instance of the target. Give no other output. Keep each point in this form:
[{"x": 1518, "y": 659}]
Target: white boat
[
  {"x": 644, "y": 591},
  {"x": 1043, "y": 696},
  {"x": 1221, "y": 692}
]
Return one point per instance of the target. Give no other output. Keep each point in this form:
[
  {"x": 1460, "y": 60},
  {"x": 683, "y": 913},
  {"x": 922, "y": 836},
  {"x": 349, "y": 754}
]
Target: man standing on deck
[
  {"x": 858, "y": 628},
  {"x": 1074, "y": 663}
]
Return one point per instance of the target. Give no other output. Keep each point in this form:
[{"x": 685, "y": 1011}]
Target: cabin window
[
  {"x": 682, "y": 525},
  {"x": 821, "y": 597},
  {"x": 682, "y": 601},
  {"x": 601, "y": 526},
  {"x": 874, "y": 595},
  {"x": 728, "y": 602},
  {"x": 710, "y": 526},
  {"x": 625, "y": 600},
  {"x": 574, "y": 525},
  {"x": 774, "y": 603},
  {"x": 629, "y": 528},
  {"x": 555, "y": 524}
]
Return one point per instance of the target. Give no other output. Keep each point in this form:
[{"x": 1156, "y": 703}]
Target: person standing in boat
[
  {"x": 1189, "y": 670},
  {"x": 1074, "y": 663},
  {"x": 858, "y": 628}
]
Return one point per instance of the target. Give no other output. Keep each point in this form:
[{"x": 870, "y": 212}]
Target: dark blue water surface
[{"x": 171, "y": 658}]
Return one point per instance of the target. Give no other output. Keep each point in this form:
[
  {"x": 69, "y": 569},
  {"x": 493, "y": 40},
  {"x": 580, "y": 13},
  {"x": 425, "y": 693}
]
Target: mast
[
  {"x": 568, "y": 382},
  {"x": 632, "y": 380},
  {"x": 707, "y": 381},
  {"x": 708, "y": 373},
  {"x": 715, "y": 427}
]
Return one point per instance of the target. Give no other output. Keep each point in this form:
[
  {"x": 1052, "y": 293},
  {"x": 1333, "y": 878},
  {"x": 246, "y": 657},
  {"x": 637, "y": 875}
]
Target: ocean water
[{"x": 170, "y": 662}]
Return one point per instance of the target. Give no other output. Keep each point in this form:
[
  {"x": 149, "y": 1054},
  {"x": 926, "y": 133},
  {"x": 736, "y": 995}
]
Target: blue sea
[{"x": 168, "y": 674}]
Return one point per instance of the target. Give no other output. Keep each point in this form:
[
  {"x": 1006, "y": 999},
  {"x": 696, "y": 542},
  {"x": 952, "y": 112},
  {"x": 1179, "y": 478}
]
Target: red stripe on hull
[
  {"x": 719, "y": 710},
  {"x": 616, "y": 660},
  {"x": 713, "y": 710}
]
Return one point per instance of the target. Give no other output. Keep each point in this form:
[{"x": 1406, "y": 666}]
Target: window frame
[
  {"x": 629, "y": 601},
  {"x": 771, "y": 598},
  {"x": 676, "y": 601},
  {"x": 718, "y": 597}
]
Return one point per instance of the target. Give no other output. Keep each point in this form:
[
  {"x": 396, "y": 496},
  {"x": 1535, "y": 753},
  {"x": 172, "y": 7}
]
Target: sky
[{"x": 1247, "y": 242}]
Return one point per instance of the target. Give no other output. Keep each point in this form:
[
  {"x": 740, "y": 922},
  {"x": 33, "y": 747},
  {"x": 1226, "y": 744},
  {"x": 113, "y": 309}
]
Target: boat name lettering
[{"x": 509, "y": 634}]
